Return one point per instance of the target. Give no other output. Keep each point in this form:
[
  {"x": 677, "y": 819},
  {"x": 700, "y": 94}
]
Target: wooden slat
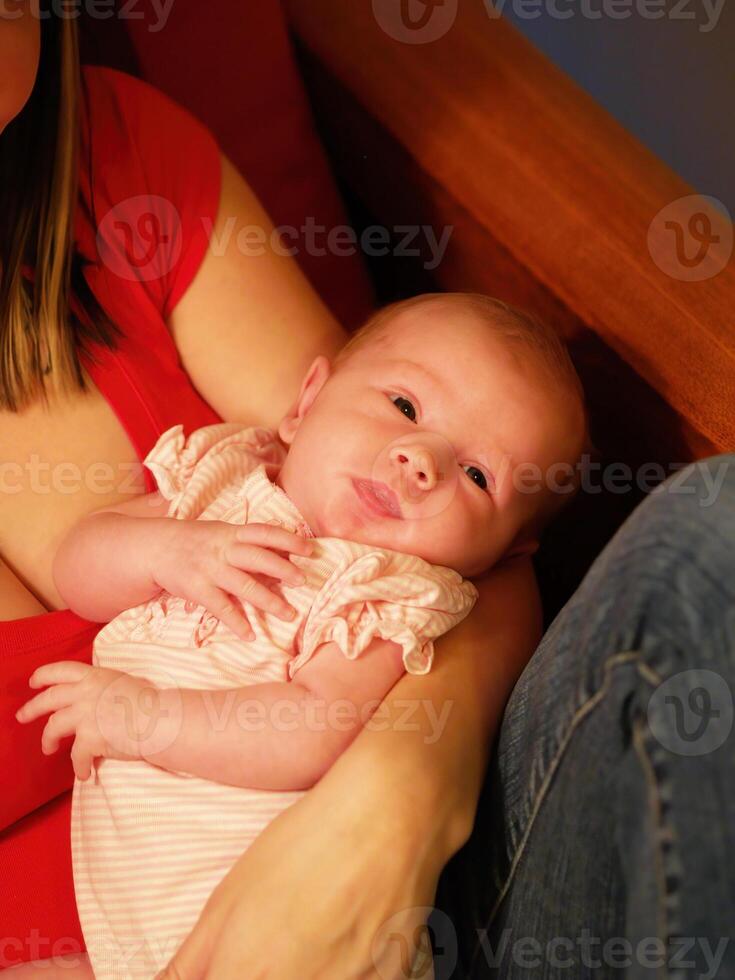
[{"x": 551, "y": 201}]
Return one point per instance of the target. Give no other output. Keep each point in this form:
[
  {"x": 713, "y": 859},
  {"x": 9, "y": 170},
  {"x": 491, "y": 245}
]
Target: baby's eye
[
  {"x": 405, "y": 406},
  {"x": 477, "y": 476}
]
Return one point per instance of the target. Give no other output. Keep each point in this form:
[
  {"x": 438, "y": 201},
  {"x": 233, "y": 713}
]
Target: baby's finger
[
  {"x": 81, "y": 759},
  {"x": 247, "y": 589},
  {"x": 221, "y": 605},
  {"x": 272, "y": 536},
  {"x": 253, "y": 558},
  {"x": 53, "y": 698},
  {"x": 60, "y": 725},
  {"x": 59, "y": 672}
]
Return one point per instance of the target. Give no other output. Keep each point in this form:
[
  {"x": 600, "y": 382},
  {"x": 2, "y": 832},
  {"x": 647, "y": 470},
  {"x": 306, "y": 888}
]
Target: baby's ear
[
  {"x": 313, "y": 382},
  {"x": 523, "y": 547}
]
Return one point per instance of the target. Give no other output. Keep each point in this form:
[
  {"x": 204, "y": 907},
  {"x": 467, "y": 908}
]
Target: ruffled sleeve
[
  {"x": 192, "y": 471},
  {"x": 386, "y": 594}
]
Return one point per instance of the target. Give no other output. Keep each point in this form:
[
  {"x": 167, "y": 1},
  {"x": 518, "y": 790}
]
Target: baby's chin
[
  {"x": 356, "y": 529},
  {"x": 351, "y": 526},
  {"x": 342, "y": 517},
  {"x": 380, "y": 534}
]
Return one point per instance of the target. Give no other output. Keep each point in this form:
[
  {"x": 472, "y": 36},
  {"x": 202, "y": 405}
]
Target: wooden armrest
[{"x": 551, "y": 202}]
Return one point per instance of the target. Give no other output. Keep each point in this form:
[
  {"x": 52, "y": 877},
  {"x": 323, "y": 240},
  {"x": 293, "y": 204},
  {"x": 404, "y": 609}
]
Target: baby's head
[{"x": 413, "y": 437}]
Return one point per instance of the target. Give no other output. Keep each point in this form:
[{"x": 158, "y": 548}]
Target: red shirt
[{"x": 150, "y": 179}]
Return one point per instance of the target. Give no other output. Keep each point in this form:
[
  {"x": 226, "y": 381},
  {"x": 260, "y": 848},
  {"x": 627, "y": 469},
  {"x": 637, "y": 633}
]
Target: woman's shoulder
[
  {"x": 137, "y": 138},
  {"x": 150, "y": 181},
  {"x": 125, "y": 109}
]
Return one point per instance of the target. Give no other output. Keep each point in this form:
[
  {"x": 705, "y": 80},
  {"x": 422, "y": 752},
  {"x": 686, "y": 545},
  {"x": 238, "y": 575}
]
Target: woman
[
  {"x": 592, "y": 833},
  {"x": 85, "y": 315}
]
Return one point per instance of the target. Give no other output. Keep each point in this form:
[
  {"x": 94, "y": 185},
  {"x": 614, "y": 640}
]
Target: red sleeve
[{"x": 152, "y": 185}]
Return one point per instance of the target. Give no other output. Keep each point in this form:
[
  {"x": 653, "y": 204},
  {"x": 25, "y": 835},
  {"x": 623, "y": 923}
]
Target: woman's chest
[{"x": 57, "y": 464}]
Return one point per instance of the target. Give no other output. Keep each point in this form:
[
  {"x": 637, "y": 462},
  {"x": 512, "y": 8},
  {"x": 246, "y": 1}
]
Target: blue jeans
[{"x": 604, "y": 844}]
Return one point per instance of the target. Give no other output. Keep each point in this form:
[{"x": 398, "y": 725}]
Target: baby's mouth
[{"x": 378, "y": 497}]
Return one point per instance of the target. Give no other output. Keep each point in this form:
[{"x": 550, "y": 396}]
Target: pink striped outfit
[{"x": 149, "y": 845}]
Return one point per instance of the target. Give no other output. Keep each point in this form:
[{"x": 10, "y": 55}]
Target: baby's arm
[
  {"x": 102, "y": 565},
  {"x": 277, "y": 736},
  {"x": 121, "y": 556}
]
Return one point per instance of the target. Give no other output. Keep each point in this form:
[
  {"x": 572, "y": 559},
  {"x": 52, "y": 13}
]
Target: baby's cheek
[
  {"x": 479, "y": 541},
  {"x": 445, "y": 538}
]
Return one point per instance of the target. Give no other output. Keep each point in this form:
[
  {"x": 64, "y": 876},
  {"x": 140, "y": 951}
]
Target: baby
[{"x": 240, "y": 591}]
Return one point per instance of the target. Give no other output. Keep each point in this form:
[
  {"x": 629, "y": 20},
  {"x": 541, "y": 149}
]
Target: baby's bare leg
[{"x": 72, "y": 967}]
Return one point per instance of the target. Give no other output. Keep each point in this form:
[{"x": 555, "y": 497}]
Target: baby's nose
[{"x": 417, "y": 464}]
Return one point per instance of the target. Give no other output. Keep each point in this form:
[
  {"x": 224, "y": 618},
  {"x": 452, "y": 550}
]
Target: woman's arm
[
  {"x": 249, "y": 326},
  {"x": 16, "y": 601},
  {"x": 374, "y": 834},
  {"x": 439, "y": 753}
]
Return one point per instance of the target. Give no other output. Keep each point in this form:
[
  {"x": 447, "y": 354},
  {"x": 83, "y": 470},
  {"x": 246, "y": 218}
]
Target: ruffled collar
[{"x": 262, "y": 492}]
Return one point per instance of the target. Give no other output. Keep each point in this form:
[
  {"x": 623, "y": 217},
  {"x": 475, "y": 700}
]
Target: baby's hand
[
  {"x": 109, "y": 712},
  {"x": 210, "y": 562}
]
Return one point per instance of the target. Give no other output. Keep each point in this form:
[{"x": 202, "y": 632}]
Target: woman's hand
[
  {"x": 335, "y": 888},
  {"x": 108, "y": 712},
  {"x": 212, "y": 562}
]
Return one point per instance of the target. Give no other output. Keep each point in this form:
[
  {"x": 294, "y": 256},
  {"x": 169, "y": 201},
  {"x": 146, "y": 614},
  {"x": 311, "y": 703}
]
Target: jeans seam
[
  {"x": 615, "y": 660},
  {"x": 657, "y": 816}
]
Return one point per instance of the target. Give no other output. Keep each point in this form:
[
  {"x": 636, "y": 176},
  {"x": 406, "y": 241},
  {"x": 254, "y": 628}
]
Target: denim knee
[
  {"x": 667, "y": 577},
  {"x": 658, "y": 602},
  {"x": 693, "y": 509}
]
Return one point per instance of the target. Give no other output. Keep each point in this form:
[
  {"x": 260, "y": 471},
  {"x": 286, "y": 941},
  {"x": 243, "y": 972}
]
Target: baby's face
[{"x": 410, "y": 445}]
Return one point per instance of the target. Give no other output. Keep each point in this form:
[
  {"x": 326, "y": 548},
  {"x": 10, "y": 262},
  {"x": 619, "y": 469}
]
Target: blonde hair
[
  {"x": 509, "y": 321},
  {"x": 40, "y": 337}
]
